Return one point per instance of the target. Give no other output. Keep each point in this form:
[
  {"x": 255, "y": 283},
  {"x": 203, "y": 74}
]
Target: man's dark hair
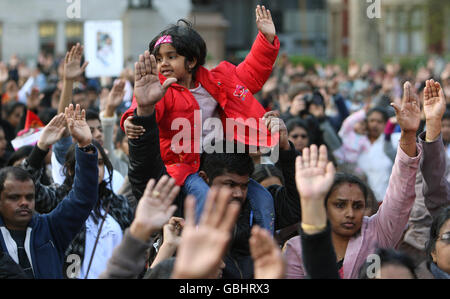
[
  {"x": 92, "y": 115},
  {"x": 14, "y": 172},
  {"x": 216, "y": 164}
]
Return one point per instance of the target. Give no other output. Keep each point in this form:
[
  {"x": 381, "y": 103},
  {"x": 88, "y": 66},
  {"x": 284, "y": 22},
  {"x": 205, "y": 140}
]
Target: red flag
[{"x": 33, "y": 121}]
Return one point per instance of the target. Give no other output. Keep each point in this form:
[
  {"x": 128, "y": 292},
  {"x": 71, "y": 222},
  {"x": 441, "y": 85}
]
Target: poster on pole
[{"x": 103, "y": 48}]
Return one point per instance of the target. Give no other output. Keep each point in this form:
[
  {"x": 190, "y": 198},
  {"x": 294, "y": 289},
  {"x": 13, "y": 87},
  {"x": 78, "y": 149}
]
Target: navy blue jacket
[{"x": 52, "y": 233}]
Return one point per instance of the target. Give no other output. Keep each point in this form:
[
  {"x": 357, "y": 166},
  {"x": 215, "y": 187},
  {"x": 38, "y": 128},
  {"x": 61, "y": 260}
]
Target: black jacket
[{"x": 146, "y": 163}]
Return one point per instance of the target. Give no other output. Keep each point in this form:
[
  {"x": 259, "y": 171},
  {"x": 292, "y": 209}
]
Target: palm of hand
[
  {"x": 409, "y": 117},
  {"x": 268, "y": 266},
  {"x": 313, "y": 181},
  {"x": 156, "y": 214},
  {"x": 51, "y": 134},
  {"x": 80, "y": 130},
  {"x": 72, "y": 69},
  {"x": 266, "y": 26},
  {"x": 148, "y": 90},
  {"x": 434, "y": 107},
  {"x": 201, "y": 250}
]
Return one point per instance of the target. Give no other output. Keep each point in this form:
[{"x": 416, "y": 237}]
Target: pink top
[
  {"x": 353, "y": 144},
  {"x": 384, "y": 229}
]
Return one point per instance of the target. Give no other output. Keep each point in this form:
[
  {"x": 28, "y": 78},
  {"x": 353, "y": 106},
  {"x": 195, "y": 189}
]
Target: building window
[
  {"x": 47, "y": 36},
  {"x": 140, "y": 3},
  {"x": 74, "y": 34},
  {"x": 404, "y": 32}
]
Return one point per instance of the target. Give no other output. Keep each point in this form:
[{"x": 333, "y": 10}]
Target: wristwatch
[{"x": 88, "y": 148}]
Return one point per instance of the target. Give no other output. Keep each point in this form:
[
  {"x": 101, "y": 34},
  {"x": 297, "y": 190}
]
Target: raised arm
[
  {"x": 257, "y": 66},
  {"x": 390, "y": 221},
  {"x": 69, "y": 216},
  {"x": 153, "y": 211},
  {"x": 286, "y": 199},
  {"x": 48, "y": 197},
  {"x": 436, "y": 189},
  {"x": 314, "y": 176},
  {"x": 108, "y": 120},
  {"x": 203, "y": 247},
  {"x": 72, "y": 71}
]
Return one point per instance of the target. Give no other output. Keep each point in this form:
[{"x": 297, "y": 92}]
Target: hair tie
[{"x": 165, "y": 39}]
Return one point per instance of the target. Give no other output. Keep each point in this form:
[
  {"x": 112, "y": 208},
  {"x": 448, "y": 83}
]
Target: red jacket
[{"x": 233, "y": 88}]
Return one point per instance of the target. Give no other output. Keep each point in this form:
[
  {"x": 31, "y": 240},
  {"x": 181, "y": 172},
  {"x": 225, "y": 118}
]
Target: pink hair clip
[{"x": 165, "y": 39}]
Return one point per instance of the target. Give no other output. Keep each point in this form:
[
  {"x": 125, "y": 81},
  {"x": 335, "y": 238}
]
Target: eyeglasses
[
  {"x": 445, "y": 237},
  {"x": 295, "y": 136}
]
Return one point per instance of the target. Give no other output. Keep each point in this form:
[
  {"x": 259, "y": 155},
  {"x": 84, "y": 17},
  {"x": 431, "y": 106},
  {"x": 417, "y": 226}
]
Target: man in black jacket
[{"x": 228, "y": 169}]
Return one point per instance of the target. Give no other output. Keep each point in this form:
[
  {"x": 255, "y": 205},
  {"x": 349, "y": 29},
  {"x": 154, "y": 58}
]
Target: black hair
[
  {"x": 47, "y": 114},
  {"x": 16, "y": 172},
  {"x": 296, "y": 122},
  {"x": 11, "y": 106},
  {"x": 216, "y": 163},
  {"x": 21, "y": 153},
  {"x": 92, "y": 115},
  {"x": 186, "y": 41},
  {"x": 390, "y": 257},
  {"x": 435, "y": 228},
  {"x": 380, "y": 110},
  {"x": 264, "y": 171},
  {"x": 104, "y": 188},
  {"x": 341, "y": 178},
  {"x": 316, "y": 99}
]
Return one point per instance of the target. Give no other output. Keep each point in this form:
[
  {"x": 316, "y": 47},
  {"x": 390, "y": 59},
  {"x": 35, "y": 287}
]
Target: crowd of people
[{"x": 96, "y": 182}]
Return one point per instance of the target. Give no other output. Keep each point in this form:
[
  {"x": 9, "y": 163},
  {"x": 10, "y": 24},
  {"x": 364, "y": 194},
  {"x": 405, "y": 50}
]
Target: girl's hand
[
  {"x": 147, "y": 87},
  {"x": 264, "y": 23}
]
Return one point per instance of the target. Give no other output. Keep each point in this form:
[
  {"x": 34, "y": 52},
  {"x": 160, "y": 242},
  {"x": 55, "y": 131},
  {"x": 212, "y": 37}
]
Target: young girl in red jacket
[{"x": 171, "y": 82}]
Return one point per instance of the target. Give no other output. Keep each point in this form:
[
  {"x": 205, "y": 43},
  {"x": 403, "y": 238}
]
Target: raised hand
[
  {"x": 314, "y": 175},
  {"x": 202, "y": 248},
  {"x": 172, "y": 231},
  {"x": 115, "y": 98},
  {"x": 155, "y": 207},
  {"x": 132, "y": 131},
  {"x": 275, "y": 124},
  {"x": 434, "y": 107},
  {"x": 147, "y": 87},
  {"x": 72, "y": 61},
  {"x": 52, "y": 132},
  {"x": 408, "y": 114},
  {"x": 78, "y": 128},
  {"x": 267, "y": 258},
  {"x": 264, "y": 23},
  {"x": 434, "y": 100}
]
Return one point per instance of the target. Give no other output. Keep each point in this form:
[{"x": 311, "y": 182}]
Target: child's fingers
[
  {"x": 264, "y": 12},
  {"x": 153, "y": 65},
  {"x": 137, "y": 72},
  {"x": 148, "y": 64},
  {"x": 269, "y": 15}
]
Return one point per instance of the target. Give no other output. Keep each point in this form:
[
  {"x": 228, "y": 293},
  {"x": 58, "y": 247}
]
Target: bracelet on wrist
[{"x": 313, "y": 227}]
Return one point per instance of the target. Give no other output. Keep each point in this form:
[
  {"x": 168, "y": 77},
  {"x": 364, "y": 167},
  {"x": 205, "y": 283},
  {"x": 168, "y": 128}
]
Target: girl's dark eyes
[{"x": 340, "y": 205}]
